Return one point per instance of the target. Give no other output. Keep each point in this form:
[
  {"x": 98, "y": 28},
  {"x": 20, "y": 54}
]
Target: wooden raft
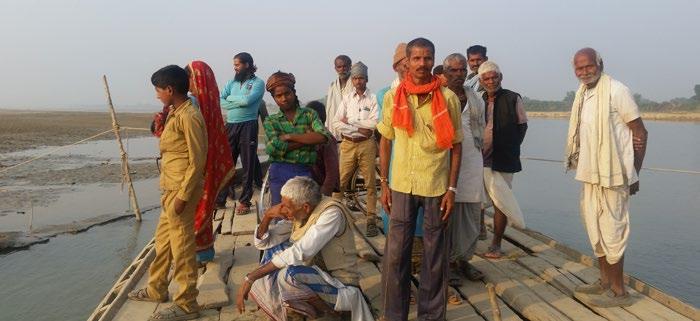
[{"x": 533, "y": 281}]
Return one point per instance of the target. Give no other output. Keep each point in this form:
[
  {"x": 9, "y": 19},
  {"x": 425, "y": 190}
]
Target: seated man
[{"x": 310, "y": 262}]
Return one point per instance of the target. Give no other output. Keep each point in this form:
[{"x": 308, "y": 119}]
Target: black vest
[{"x": 506, "y": 135}]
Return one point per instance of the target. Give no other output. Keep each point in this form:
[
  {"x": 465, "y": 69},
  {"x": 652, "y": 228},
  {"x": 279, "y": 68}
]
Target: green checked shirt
[{"x": 277, "y": 124}]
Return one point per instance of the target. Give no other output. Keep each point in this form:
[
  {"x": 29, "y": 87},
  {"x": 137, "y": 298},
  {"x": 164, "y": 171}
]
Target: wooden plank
[
  {"x": 517, "y": 295},
  {"x": 208, "y": 315},
  {"x": 370, "y": 283},
  {"x": 665, "y": 299},
  {"x": 245, "y": 260},
  {"x": 219, "y": 215},
  {"x": 136, "y": 310},
  {"x": 211, "y": 285},
  {"x": 364, "y": 249},
  {"x": 644, "y": 307},
  {"x": 227, "y": 221},
  {"x": 476, "y": 295},
  {"x": 377, "y": 243},
  {"x": 245, "y": 224},
  {"x": 573, "y": 309},
  {"x": 566, "y": 282}
]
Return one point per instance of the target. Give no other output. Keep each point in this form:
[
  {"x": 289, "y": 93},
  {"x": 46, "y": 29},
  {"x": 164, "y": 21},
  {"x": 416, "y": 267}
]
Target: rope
[
  {"x": 654, "y": 169},
  {"x": 7, "y": 169}
]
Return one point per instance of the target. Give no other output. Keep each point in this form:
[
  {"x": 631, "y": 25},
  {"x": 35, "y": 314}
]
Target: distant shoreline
[{"x": 682, "y": 116}]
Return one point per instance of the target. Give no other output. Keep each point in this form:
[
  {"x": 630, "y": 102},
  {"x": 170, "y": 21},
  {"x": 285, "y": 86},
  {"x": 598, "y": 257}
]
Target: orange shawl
[{"x": 442, "y": 124}]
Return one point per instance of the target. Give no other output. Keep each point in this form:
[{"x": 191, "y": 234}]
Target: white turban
[{"x": 488, "y": 66}]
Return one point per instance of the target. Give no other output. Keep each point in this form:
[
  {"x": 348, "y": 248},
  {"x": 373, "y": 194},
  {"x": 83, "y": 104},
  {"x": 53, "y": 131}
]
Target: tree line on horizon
[{"x": 679, "y": 104}]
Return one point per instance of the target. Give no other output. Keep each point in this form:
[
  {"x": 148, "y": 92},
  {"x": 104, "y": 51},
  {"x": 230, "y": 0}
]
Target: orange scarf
[{"x": 442, "y": 124}]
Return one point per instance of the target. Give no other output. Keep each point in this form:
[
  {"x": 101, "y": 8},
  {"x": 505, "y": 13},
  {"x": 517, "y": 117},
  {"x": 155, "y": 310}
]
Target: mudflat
[{"x": 29, "y": 129}]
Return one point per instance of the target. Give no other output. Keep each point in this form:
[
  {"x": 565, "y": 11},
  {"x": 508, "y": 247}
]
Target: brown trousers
[
  {"x": 362, "y": 155},
  {"x": 175, "y": 245}
]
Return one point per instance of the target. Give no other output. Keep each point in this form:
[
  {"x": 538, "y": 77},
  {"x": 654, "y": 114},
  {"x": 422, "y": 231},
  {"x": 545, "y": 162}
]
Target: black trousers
[{"x": 243, "y": 139}]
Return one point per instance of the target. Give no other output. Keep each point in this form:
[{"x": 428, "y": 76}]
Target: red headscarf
[
  {"x": 219, "y": 168},
  {"x": 402, "y": 118}
]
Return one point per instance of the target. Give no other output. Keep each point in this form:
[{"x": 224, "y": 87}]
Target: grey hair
[
  {"x": 590, "y": 52},
  {"x": 454, "y": 56},
  {"x": 300, "y": 190}
]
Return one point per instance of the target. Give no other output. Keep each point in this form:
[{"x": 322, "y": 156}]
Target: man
[
  {"x": 314, "y": 275},
  {"x": 476, "y": 55},
  {"x": 506, "y": 124},
  {"x": 400, "y": 66},
  {"x": 241, "y": 99},
  {"x": 422, "y": 119},
  {"x": 338, "y": 89},
  {"x": 606, "y": 145},
  {"x": 183, "y": 146},
  {"x": 356, "y": 120},
  {"x": 440, "y": 73},
  {"x": 464, "y": 223}
]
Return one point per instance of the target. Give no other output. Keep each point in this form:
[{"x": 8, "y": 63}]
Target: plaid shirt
[{"x": 277, "y": 124}]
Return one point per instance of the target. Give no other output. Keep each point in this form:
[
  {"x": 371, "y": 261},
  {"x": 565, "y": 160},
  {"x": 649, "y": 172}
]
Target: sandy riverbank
[
  {"x": 28, "y": 129},
  {"x": 686, "y": 117}
]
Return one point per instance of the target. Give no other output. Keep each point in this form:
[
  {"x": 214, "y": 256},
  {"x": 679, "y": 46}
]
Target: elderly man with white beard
[{"x": 606, "y": 145}]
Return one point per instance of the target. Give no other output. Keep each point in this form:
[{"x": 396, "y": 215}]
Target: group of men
[{"x": 448, "y": 148}]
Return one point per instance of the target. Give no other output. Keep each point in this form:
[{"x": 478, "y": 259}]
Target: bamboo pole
[
  {"x": 126, "y": 176},
  {"x": 495, "y": 310}
]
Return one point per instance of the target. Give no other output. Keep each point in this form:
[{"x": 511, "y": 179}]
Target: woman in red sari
[{"x": 219, "y": 167}]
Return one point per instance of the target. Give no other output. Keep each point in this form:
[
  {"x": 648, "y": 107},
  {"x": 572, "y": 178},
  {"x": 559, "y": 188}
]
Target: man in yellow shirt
[
  {"x": 183, "y": 147},
  {"x": 423, "y": 120}
]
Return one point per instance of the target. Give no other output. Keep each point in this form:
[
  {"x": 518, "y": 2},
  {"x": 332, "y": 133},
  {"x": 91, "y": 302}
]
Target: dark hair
[
  {"x": 476, "y": 49},
  {"x": 344, "y": 58},
  {"x": 319, "y": 107},
  {"x": 246, "y": 58},
  {"x": 420, "y": 42},
  {"x": 173, "y": 76},
  {"x": 438, "y": 70}
]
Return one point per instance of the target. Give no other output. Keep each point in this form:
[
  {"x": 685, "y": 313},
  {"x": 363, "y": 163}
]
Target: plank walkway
[{"x": 533, "y": 281}]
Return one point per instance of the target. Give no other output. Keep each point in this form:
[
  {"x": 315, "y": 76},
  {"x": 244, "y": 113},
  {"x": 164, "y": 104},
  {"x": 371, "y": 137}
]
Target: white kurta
[
  {"x": 333, "y": 98},
  {"x": 470, "y": 186},
  {"x": 605, "y": 210},
  {"x": 623, "y": 110}
]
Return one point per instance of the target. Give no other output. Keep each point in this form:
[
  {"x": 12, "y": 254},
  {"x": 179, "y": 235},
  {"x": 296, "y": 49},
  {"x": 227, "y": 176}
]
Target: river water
[{"x": 66, "y": 278}]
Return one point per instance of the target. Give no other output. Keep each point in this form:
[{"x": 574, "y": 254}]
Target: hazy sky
[{"x": 53, "y": 53}]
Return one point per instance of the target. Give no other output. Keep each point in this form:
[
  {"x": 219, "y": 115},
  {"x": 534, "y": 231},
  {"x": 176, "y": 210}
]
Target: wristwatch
[{"x": 453, "y": 189}]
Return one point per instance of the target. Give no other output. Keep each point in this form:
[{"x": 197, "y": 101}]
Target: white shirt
[
  {"x": 333, "y": 98},
  {"x": 329, "y": 224},
  {"x": 360, "y": 111},
  {"x": 473, "y": 83},
  {"x": 623, "y": 110}
]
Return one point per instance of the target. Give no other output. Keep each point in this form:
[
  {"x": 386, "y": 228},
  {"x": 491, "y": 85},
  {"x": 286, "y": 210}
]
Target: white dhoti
[
  {"x": 500, "y": 194},
  {"x": 605, "y": 214}
]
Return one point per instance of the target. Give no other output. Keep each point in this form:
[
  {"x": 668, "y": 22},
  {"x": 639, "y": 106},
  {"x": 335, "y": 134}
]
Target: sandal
[
  {"x": 242, "y": 209},
  {"x": 142, "y": 295},
  {"x": 453, "y": 298},
  {"x": 173, "y": 313},
  {"x": 372, "y": 229},
  {"x": 471, "y": 273},
  {"x": 494, "y": 252}
]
